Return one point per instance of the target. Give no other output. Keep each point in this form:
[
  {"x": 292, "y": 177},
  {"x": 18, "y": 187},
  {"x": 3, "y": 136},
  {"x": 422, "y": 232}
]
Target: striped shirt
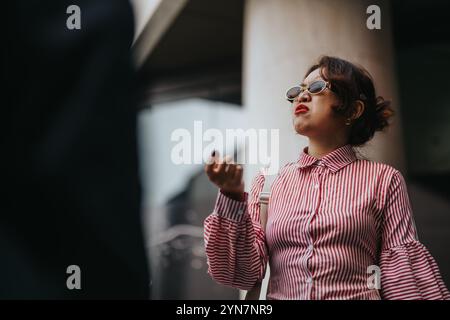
[{"x": 334, "y": 225}]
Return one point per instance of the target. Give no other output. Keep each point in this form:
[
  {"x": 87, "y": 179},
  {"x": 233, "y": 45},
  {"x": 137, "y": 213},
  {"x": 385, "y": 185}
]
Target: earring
[{"x": 348, "y": 122}]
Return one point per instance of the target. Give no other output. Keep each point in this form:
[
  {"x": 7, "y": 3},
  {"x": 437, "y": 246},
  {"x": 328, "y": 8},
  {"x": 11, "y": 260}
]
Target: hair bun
[{"x": 383, "y": 112}]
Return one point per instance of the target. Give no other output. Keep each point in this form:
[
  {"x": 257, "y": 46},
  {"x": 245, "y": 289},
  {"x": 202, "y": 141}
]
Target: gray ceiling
[
  {"x": 200, "y": 54},
  {"x": 206, "y": 34}
]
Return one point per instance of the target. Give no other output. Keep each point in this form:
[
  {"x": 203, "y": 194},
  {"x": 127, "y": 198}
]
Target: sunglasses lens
[
  {"x": 317, "y": 86},
  {"x": 292, "y": 93}
]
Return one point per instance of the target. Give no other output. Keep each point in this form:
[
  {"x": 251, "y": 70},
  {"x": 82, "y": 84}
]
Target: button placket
[{"x": 316, "y": 176}]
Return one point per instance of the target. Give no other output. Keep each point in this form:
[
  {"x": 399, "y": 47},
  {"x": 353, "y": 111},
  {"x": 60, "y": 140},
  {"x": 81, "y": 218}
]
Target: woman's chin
[
  {"x": 300, "y": 129},
  {"x": 300, "y": 126}
]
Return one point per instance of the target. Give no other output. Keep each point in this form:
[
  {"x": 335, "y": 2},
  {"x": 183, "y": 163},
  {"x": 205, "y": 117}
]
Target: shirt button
[
  {"x": 316, "y": 186},
  {"x": 309, "y": 280},
  {"x": 310, "y": 247},
  {"x": 240, "y": 211}
]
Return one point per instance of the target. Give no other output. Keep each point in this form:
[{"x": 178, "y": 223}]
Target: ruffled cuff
[{"x": 409, "y": 272}]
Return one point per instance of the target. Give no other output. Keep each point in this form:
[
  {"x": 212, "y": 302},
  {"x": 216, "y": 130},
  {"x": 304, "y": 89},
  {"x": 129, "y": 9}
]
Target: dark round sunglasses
[{"x": 314, "y": 87}]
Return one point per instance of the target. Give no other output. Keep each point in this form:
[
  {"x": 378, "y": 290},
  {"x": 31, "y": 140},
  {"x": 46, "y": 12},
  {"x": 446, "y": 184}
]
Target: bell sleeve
[{"x": 408, "y": 271}]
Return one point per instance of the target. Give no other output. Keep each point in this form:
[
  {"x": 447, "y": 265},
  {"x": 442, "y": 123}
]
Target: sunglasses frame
[{"x": 306, "y": 88}]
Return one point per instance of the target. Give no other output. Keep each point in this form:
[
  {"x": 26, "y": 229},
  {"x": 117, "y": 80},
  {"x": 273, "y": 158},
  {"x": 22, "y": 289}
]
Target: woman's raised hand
[{"x": 226, "y": 175}]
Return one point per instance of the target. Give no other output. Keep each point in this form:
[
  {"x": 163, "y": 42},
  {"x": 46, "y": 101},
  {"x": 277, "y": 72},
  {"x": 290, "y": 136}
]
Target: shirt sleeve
[
  {"x": 408, "y": 271},
  {"x": 235, "y": 243}
]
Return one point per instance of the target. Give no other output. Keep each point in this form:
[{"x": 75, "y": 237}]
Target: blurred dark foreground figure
[{"x": 69, "y": 168}]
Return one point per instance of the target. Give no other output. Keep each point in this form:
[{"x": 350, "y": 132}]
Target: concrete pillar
[{"x": 283, "y": 38}]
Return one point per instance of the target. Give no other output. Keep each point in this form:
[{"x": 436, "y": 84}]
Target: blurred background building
[{"x": 228, "y": 64}]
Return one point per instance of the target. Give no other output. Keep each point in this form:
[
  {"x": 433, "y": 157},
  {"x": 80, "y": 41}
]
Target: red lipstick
[{"x": 301, "y": 108}]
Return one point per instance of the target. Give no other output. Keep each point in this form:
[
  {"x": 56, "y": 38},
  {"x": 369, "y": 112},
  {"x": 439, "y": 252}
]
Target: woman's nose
[{"x": 304, "y": 97}]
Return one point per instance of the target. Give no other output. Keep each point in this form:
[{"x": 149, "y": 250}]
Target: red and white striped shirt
[{"x": 330, "y": 221}]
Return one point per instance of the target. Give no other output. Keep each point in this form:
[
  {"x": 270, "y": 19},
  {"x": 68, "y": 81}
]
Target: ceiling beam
[{"x": 153, "y": 18}]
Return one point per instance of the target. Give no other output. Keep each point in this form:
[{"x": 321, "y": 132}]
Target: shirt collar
[{"x": 335, "y": 160}]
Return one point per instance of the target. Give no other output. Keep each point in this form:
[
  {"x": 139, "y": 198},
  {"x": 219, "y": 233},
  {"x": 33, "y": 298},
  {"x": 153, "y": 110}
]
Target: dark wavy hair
[{"x": 350, "y": 83}]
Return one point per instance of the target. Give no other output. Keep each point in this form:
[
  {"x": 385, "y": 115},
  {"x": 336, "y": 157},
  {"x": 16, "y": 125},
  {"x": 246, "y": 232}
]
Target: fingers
[
  {"x": 231, "y": 170},
  {"x": 223, "y": 173},
  {"x": 211, "y": 163},
  {"x": 238, "y": 174},
  {"x": 213, "y": 167}
]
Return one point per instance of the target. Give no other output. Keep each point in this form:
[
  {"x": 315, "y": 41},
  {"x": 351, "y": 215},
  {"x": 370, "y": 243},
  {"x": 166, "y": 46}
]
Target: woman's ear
[{"x": 359, "y": 109}]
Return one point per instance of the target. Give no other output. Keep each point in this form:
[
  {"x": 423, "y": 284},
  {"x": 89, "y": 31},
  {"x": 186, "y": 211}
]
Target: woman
[{"x": 334, "y": 220}]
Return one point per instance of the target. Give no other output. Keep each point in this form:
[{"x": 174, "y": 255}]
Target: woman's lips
[{"x": 301, "y": 108}]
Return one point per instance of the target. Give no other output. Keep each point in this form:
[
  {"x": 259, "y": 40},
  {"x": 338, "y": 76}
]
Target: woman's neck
[{"x": 319, "y": 149}]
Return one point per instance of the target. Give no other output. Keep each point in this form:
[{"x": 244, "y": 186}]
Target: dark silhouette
[{"x": 69, "y": 167}]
